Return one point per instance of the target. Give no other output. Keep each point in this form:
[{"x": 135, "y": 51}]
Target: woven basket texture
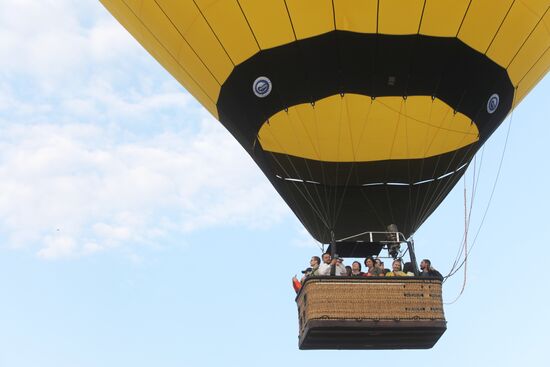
[{"x": 376, "y": 300}]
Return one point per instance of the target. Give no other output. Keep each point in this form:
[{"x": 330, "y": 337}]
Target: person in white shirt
[
  {"x": 328, "y": 262},
  {"x": 340, "y": 267},
  {"x": 324, "y": 268}
]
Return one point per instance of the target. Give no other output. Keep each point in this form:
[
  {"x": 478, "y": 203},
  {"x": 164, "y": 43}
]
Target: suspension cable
[
  {"x": 467, "y": 213},
  {"x": 465, "y": 248},
  {"x": 492, "y": 192}
]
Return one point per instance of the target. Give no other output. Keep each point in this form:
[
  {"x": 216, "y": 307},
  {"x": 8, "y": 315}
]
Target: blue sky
[{"x": 135, "y": 231}]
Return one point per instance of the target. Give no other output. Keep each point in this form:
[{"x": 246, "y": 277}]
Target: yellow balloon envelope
[{"x": 361, "y": 113}]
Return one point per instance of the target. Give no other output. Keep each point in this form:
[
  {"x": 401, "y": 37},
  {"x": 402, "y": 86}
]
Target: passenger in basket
[
  {"x": 356, "y": 269},
  {"x": 313, "y": 270},
  {"x": 339, "y": 267},
  {"x": 386, "y": 271},
  {"x": 296, "y": 284},
  {"x": 348, "y": 270},
  {"x": 324, "y": 268},
  {"x": 372, "y": 270},
  {"x": 379, "y": 264},
  {"x": 396, "y": 270},
  {"x": 428, "y": 270},
  {"x": 408, "y": 269}
]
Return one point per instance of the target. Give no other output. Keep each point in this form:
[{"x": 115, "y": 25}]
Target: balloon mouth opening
[{"x": 357, "y": 128}]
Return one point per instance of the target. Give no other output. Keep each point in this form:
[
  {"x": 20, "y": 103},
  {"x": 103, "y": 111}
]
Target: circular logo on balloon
[
  {"x": 262, "y": 86},
  {"x": 492, "y": 103}
]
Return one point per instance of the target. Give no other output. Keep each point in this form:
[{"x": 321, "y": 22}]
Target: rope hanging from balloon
[{"x": 465, "y": 249}]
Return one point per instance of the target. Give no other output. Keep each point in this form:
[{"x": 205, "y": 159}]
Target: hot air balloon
[{"x": 361, "y": 113}]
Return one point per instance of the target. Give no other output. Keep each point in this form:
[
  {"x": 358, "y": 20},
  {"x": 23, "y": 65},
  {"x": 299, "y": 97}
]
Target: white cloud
[
  {"x": 70, "y": 191},
  {"x": 57, "y": 246},
  {"x": 50, "y": 41},
  {"x": 100, "y": 149}
]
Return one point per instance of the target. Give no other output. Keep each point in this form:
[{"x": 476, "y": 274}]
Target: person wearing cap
[{"x": 312, "y": 271}]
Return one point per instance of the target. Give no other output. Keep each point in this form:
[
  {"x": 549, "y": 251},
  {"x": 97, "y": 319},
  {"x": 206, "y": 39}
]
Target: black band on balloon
[{"x": 374, "y": 65}]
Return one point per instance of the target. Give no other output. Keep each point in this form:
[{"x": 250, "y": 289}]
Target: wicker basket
[{"x": 370, "y": 313}]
